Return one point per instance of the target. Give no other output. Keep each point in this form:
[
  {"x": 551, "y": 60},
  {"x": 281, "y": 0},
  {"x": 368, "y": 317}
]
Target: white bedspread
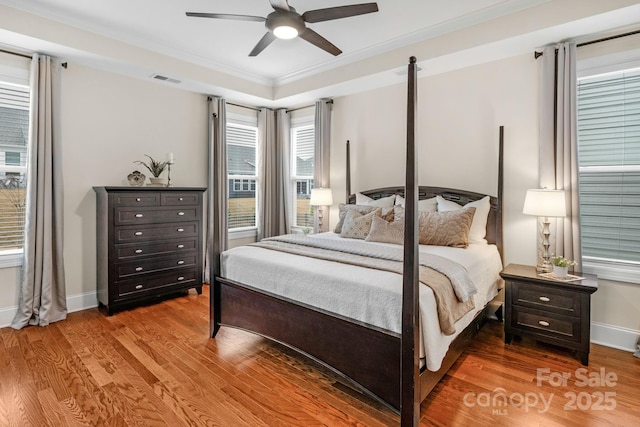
[{"x": 367, "y": 295}]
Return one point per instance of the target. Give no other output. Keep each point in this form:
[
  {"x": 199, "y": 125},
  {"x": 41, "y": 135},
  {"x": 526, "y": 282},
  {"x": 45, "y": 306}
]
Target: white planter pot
[
  {"x": 156, "y": 182},
  {"x": 560, "y": 272}
]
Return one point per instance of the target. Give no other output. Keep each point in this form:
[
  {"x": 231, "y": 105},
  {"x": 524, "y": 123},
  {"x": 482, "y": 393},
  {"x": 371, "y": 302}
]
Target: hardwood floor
[{"x": 156, "y": 366}]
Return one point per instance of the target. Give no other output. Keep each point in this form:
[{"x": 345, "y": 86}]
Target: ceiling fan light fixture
[{"x": 285, "y": 32}]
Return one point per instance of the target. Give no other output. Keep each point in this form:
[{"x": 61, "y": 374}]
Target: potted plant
[
  {"x": 561, "y": 266},
  {"x": 156, "y": 168}
]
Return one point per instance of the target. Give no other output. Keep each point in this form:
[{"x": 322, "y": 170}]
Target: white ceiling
[{"x": 161, "y": 26}]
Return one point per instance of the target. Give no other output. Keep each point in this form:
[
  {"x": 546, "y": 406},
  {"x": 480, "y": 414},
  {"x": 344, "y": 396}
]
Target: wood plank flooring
[{"x": 156, "y": 366}]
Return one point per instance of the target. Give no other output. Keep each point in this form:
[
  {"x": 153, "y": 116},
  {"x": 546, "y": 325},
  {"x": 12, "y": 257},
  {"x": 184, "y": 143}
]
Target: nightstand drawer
[
  {"x": 540, "y": 322},
  {"x": 546, "y": 298}
]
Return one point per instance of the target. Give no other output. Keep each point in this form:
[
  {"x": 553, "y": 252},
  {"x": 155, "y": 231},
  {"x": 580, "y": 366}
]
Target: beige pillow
[
  {"x": 446, "y": 228},
  {"x": 387, "y": 213},
  {"x": 386, "y": 232},
  {"x": 478, "y": 230},
  {"x": 357, "y": 225}
]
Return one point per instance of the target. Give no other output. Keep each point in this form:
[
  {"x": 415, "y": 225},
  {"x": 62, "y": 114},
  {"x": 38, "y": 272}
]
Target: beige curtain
[
  {"x": 42, "y": 295},
  {"x": 321, "y": 178},
  {"x": 273, "y": 167},
  {"x": 218, "y": 187},
  {"x": 559, "y": 144}
]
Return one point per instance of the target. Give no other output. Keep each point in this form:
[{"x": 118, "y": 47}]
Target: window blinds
[
  {"x": 609, "y": 159},
  {"x": 14, "y": 134}
]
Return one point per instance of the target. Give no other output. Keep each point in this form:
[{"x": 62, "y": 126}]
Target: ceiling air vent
[{"x": 164, "y": 78}]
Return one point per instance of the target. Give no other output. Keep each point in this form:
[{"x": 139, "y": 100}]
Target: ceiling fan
[{"x": 285, "y": 23}]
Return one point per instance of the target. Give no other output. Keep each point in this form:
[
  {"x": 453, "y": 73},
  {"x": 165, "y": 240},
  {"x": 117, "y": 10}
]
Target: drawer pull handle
[
  {"x": 543, "y": 323},
  {"x": 180, "y": 213},
  {"x": 138, "y": 286},
  {"x": 180, "y": 198},
  {"x": 180, "y": 246},
  {"x": 545, "y": 299},
  {"x": 139, "y": 269},
  {"x": 138, "y": 251},
  {"x": 180, "y": 262},
  {"x": 137, "y": 199},
  {"x": 138, "y": 233},
  {"x": 180, "y": 230},
  {"x": 180, "y": 278},
  {"x": 139, "y": 215}
]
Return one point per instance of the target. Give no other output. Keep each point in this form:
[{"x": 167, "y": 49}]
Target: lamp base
[{"x": 545, "y": 267}]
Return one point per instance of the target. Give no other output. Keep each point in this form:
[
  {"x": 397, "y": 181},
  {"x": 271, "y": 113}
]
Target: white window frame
[
  {"x": 302, "y": 122},
  {"x": 15, "y": 77},
  {"x": 249, "y": 122},
  {"x": 611, "y": 269}
]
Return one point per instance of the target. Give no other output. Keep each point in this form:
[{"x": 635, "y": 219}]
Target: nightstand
[{"x": 548, "y": 310}]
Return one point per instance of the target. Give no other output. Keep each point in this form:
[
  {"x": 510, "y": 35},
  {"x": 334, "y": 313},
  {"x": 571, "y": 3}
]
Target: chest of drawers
[
  {"x": 149, "y": 243},
  {"x": 548, "y": 310}
]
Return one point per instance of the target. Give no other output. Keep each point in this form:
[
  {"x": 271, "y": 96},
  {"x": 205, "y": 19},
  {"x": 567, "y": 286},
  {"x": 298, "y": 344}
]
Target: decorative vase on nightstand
[{"x": 560, "y": 272}]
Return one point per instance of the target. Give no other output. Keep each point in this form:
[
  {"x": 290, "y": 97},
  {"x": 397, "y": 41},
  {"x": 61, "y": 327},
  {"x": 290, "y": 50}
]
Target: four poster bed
[{"x": 346, "y": 314}]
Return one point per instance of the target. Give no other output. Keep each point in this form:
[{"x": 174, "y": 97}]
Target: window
[
  {"x": 302, "y": 160},
  {"x": 14, "y": 131},
  {"x": 609, "y": 165},
  {"x": 242, "y": 141}
]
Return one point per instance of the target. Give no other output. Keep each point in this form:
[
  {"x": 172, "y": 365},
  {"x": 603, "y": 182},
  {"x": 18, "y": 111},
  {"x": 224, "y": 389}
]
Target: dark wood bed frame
[{"x": 367, "y": 357}]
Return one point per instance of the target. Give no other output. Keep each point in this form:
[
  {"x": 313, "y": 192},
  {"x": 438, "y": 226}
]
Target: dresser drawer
[
  {"x": 145, "y": 249},
  {"x": 153, "y": 265},
  {"x": 157, "y": 282},
  {"x": 145, "y": 233},
  {"x": 547, "y": 298},
  {"x": 544, "y": 323},
  {"x": 150, "y": 215},
  {"x": 136, "y": 199},
  {"x": 179, "y": 199}
]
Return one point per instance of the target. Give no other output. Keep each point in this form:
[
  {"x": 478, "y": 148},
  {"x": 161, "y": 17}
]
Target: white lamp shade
[
  {"x": 545, "y": 203},
  {"x": 321, "y": 197}
]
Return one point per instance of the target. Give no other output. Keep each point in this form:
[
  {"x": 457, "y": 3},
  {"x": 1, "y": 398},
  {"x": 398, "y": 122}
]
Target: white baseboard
[
  {"x": 74, "y": 303},
  {"x": 614, "y": 336}
]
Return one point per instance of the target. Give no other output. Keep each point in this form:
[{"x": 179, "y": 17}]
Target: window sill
[
  {"x": 10, "y": 259},
  {"x": 613, "y": 271},
  {"x": 243, "y": 233}
]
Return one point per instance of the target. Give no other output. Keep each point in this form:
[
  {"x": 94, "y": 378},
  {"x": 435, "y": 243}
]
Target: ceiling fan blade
[
  {"x": 316, "y": 39},
  {"x": 330, "y": 13},
  {"x": 226, "y": 16},
  {"x": 280, "y": 4},
  {"x": 264, "y": 42}
]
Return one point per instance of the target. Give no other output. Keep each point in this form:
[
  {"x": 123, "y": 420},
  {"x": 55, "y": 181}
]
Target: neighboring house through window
[
  {"x": 302, "y": 166},
  {"x": 242, "y": 141},
  {"x": 609, "y": 173},
  {"x": 14, "y": 131}
]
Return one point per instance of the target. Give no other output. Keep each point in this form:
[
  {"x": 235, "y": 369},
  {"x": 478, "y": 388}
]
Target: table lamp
[
  {"x": 321, "y": 197},
  {"x": 545, "y": 203}
]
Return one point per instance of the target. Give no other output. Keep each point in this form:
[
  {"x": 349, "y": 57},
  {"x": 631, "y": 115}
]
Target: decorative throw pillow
[
  {"x": 479, "y": 226},
  {"x": 386, "y": 213},
  {"x": 426, "y": 205},
  {"x": 357, "y": 225},
  {"x": 446, "y": 228},
  {"x": 383, "y": 202},
  {"x": 386, "y": 232}
]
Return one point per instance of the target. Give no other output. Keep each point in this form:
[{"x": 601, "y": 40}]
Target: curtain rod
[
  {"x": 15, "y": 53},
  {"x": 243, "y": 106},
  {"x": 537, "y": 55},
  {"x": 330, "y": 101}
]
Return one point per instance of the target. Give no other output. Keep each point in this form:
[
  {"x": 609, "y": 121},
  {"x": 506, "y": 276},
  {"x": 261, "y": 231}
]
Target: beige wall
[{"x": 108, "y": 122}]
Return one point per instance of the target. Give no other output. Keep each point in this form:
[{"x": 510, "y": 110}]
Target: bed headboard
[{"x": 462, "y": 197}]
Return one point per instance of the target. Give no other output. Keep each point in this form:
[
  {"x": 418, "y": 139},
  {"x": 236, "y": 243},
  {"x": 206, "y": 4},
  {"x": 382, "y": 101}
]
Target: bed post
[
  {"x": 410, "y": 359},
  {"x": 348, "y": 177},
  {"x": 499, "y": 214}
]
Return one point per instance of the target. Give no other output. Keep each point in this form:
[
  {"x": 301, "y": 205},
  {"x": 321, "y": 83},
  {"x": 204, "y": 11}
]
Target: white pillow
[
  {"x": 383, "y": 202},
  {"x": 479, "y": 225},
  {"x": 426, "y": 205}
]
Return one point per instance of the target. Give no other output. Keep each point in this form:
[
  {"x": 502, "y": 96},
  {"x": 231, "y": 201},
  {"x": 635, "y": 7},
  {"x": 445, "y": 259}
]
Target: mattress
[{"x": 363, "y": 294}]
